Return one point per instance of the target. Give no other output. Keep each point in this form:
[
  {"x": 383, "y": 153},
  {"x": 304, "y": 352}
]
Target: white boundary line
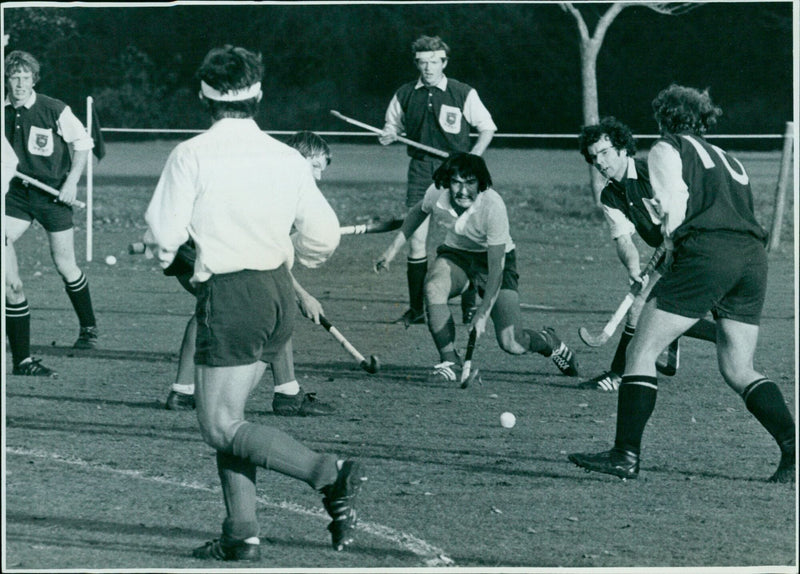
[{"x": 431, "y": 555}]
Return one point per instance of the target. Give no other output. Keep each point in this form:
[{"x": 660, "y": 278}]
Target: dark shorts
[
  {"x": 476, "y": 265},
  {"x": 24, "y": 201},
  {"x": 243, "y": 317},
  {"x": 420, "y": 178},
  {"x": 720, "y": 271}
]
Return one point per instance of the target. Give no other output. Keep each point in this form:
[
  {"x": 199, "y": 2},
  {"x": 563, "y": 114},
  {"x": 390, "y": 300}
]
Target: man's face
[
  {"x": 20, "y": 86},
  {"x": 318, "y": 164},
  {"x": 608, "y": 160},
  {"x": 431, "y": 67},
  {"x": 463, "y": 191}
]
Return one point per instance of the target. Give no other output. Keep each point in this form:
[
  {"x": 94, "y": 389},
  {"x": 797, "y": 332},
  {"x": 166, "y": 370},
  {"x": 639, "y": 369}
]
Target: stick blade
[
  {"x": 590, "y": 339},
  {"x": 372, "y": 366}
]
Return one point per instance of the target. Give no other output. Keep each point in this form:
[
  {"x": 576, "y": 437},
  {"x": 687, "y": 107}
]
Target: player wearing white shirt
[
  {"x": 238, "y": 193},
  {"x": 477, "y": 249}
]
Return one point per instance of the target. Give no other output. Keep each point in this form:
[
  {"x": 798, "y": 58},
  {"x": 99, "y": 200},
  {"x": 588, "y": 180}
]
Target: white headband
[
  {"x": 432, "y": 54},
  {"x": 232, "y": 95}
]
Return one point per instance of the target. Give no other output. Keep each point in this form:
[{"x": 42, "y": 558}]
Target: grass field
[{"x": 99, "y": 476}]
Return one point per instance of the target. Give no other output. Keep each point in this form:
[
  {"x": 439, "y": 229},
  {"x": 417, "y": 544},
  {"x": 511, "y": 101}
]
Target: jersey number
[{"x": 708, "y": 162}]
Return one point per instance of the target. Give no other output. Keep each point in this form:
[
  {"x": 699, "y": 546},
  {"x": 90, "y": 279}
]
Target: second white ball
[
  {"x": 111, "y": 260},
  {"x": 508, "y": 420}
]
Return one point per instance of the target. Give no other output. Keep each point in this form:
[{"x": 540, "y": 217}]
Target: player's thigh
[
  {"x": 641, "y": 299},
  {"x": 14, "y": 227},
  {"x": 445, "y": 279},
  {"x": 736, "y": 347},
  {"x": 221, "y": 394},
  {"x": 656, "y": 329}
]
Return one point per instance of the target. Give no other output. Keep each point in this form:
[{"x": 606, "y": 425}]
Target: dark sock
[
  {"x": 635, "y": 404},
  {"x": 618, "y": 363},
  {"x": 78, "y": 293},
  {"x": 443, "y": 330},
  {"x": 238, "y": 479},
  {"x": 415, "y": 272},
  {"x": 538, "y": 343},
  {"x": 764, "y": 399},
  {"x": 18, "y": 327},
  {"x": 275, "y": 450},
  {"x": 704, "y": 329},
  {"x": 469, "y": 298}
]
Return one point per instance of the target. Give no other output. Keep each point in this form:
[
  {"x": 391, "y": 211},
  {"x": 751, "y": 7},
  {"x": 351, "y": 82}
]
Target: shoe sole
[{"x": 356, "y": 478}]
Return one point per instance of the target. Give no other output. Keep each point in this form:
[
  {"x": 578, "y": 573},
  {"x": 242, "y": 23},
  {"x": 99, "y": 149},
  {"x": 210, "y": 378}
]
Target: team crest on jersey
[
  {"x": 40, "y": 141},
  {"x": 450, "y": 119}
]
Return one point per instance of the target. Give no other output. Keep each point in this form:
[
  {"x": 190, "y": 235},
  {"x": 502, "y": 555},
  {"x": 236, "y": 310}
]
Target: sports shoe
[
  {"x": 87, "y": 338},
  {"x": 669, "y": 361},
  {"x": 446, "y": 371},
  {"x": 33, "y": 368},
  {"x": 562, "y": 355},
  {"x": 608, "y": 381},
  {"x": 412, "y": 317},
  {"x": 340, "y": 500},
  {"x": 179, "y": 401},
  {"x": 621, "y": 463},
  {"x": 300, "y": 405},
  {"x": 787, "y": 466},
  {"x": 228, "y": 549}
]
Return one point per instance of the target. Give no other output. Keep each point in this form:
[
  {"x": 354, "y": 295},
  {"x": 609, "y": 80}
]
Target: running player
[
  {"x": 477, "y": 249},
  {"x": 288, "y": 399},
  {"x": 702, "y": 195},
  {"x": 626, "y": 202},
  {"x": 436, "y": 111},
  {"x": 238, "y": 192}
]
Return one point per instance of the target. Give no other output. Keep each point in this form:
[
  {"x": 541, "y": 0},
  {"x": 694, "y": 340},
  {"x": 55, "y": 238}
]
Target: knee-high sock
[
  {"x": 704, "y": 329},
  {"x": 764, "y": 399},
  {"x": 469, "y": 298},
  {"x": 415, "y": 272},
  {"x": 635, "y": 404},
  {"x": 238, "y": 478},
  {"x": 443, "y": 330},
  {"x": 18, "y": 327},
  {"x": 618, "y": 362},
  {"x": 275, "y": 450},
  {"x": 78, "y": 293},
  {"x": 538, "y": 343}
]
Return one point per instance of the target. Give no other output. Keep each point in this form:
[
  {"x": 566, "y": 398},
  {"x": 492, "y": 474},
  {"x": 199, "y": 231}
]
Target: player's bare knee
[{"x": 14, "y": 290}]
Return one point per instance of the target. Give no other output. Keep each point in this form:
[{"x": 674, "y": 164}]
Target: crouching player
[
  {"x": 477, "y": 248},
  {"x": 288, "y": 398}
]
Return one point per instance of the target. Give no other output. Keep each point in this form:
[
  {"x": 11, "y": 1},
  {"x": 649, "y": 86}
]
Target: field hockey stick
[
  {"x": 372, "y": 227},
  {"x": 616, "y": 318},
  {"x": 45, "y": 187},
  {"x": 400, "y": 138},
  {"x": 466, "y": 370},
  {"x": 372, "y": 366}
]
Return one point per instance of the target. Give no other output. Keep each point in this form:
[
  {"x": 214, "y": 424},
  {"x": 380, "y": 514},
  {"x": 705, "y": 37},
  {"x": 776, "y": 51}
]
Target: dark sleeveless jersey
[
  {"x": 33, "y": 133},
  {"x": 720, "y": 198},
  {"x": 427, "y": 122},
  {"x": 627, "y": 195}
]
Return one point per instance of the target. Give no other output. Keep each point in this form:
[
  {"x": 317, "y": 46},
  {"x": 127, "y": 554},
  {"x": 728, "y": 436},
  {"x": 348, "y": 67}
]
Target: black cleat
[
  {"x": 787, "y": 468},
  {"x": 608, "y": 381},
  {"x": 621, "y": 463},
  {"x": 87, "y": 338},
  {"x": 340, "y": 500},
  {"x": 228, "y": 549},
  {"x": 412, "y": 317},
  {"x": 33, "y": 368},
  {"x": 669, "y": 361},
  {"x": 179, "y": 402},
  {"x": 562, "y": 356},
  {"x": 300, "y": 405}
]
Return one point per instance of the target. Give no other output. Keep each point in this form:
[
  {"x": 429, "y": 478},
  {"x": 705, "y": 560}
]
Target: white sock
[
  {"x": 183, "y": 389},
  {"x": 290, "y": 388}
]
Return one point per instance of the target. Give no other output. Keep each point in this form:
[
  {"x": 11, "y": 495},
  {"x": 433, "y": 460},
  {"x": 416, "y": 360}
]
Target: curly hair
[
  {"x": 310, "y": 145},
  {"x": 231, "y": 68},
  {"x": 429, "y": 44},
  {"x": 679, "y": 109},
  {"x": 21, "y": 61},
  {"x": 618, "y": 134},
  {"x": 464, "y": 165}
]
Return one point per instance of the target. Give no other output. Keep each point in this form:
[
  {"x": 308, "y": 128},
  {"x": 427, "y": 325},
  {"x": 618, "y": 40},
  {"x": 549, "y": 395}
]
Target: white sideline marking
[{"x": 431, "y": 555}]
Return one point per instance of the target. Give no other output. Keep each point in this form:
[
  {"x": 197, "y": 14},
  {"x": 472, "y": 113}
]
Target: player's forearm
[
  {"x": 628, "y": 254},
  {"x": 483, "y": 141},
  {"x": 496, "y": 262},
  {"x": 79, "y": 160},
  {"x": 416, "y": 216}
]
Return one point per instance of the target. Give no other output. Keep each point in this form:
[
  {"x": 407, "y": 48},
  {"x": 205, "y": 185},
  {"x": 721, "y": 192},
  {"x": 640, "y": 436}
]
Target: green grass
[{"x": 99, "y": 476}]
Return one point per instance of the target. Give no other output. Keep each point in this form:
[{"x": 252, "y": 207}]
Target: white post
[
  {"x": 89, "y": 182},
  {"x": 780, "y": 189}
]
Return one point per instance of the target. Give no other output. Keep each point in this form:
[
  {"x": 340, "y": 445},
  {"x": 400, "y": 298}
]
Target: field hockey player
[{"x": 477, "y": 249}]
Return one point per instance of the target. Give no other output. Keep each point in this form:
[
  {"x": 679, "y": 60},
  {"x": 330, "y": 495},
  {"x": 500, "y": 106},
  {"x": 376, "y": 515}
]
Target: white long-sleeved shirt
[
  {"x": 237, "y": 192},
  {"x": 670, "y": 191}
]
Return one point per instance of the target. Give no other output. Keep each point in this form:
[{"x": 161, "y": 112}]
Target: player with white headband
[{"x": 439, "y": 112}]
